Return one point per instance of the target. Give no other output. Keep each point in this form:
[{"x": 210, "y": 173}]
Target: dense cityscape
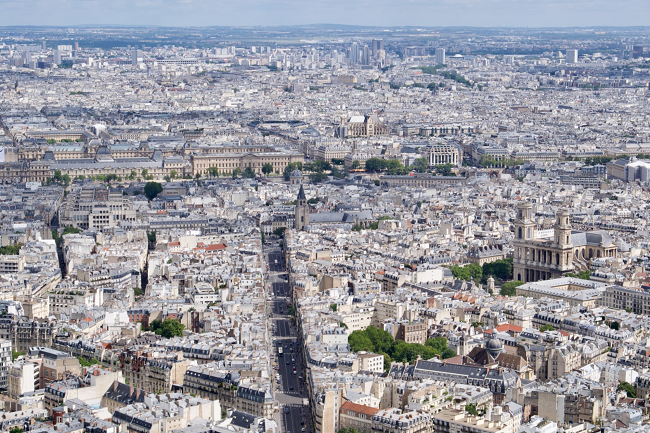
[{"x": 324, "y": 229}]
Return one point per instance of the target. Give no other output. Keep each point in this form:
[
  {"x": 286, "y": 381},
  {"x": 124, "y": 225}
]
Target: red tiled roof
[{"x": 348, "y": 405}]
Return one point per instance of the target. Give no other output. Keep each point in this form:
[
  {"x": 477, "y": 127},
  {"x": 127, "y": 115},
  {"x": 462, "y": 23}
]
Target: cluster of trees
[
  {"x": 10, "y": 250},
  {"x": 167, "y": 328},
  {"x": 61, "y": 179},
  {"x": 628, "y": 388},
  {"x": 430, "y": 70},
  {"x": 546, "y": 327},
  {"x": 470, "y": 272},
  {"x": 445, "y": 169},
  {"x": 596, "y": 160},
  {"x": 510, "y": 288},
  {"x": 453, "y": 75},
  {"x": 499, "y": 269},
  {"x": 379, "y": 341},
  {"x": 152, "y": 189},
  {"x": 489, "y": 161},
  {"x": 420, "y": 165},
  {"x": 85, "y": 363},
  {"x": 583, "y": 275},
  {"x": 391, "y": 166}
]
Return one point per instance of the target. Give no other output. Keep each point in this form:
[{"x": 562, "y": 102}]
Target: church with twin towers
[{"x": 542, "y": 256}]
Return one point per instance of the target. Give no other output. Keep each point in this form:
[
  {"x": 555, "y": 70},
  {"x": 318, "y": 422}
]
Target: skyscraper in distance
[
  {"x": 572, "y": 56},
  {"x": 377, "y": 45},
  {"x": 440, "y": 56}
]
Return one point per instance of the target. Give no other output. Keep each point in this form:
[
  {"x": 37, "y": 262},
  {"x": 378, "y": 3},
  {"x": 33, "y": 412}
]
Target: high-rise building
[
  {"x": 572, "y": 56},
  {"x": 136, "y": 57},
  {"x": 637, "y": 51},
  {"x": 377, "y": 46},
  {"x": 353, "y": 54},
  {"x": 57, "y": 57},
  {"x": 365, "y": 58},
  {"x": 440, "y": 56},
  {"x": 76, "y": 46}
]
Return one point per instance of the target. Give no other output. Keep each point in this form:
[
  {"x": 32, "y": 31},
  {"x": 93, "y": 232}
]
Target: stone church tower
[{"x": 302, "y": 210}]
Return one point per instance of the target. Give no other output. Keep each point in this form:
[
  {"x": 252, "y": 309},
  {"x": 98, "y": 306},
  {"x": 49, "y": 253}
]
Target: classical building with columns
[
  {"x": 441, "y": 154},
  {"x": 566, "y": 252}
]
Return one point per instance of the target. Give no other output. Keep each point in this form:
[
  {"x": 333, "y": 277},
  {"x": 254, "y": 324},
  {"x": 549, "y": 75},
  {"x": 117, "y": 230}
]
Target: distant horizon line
[{"x": 62, "y": 26}]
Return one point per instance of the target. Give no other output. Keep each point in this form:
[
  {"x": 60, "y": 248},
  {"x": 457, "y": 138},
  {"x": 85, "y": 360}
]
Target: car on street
[
  {"x": 291, "y": 388},
  {"x": 286, "y": 410}
]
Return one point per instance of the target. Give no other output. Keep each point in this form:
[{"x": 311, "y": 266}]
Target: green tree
[
  {"x": 173, "y": 174},
  {"x": 583, "y": 275},
  {"x": 445, "y": 169},
  {"x": 470, "y": 272},
  {"x": 279, "y": 231},
  {"x": 333, "y": 307},
  {"x": 420, "y": 165},
  {"x": 236, "y": 172},
  {"x": 151, "y": 236},
  {"x": 152, "y": 189},
  {"x": 15, "y": 354},
  {"x": 168, "y": 328},
  {"x": 356, "y": 164},
  {"x": 317, "y": 177},
  {"x": 267, "y": 168},
  {"x": 615, "y": 326},
  {"x": 85, "y": 363},
  {"x": 471, "y": 409},
  {"x": 546, "y": 327},
  {"x": 248, "y": 173},
  {"x": 11, "y": 250},
  {"x": 628, "y": 388},
  {"x": 15, "y": 430},
  {"x": 213, "y": 171},
  {"x": 501, "y": 269},
  {"x": 137, "y": 291},
  {"x": 510, "y": 288}
]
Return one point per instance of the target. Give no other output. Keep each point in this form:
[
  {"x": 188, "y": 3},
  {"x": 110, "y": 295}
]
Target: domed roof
[
  {"x": 296, "y": 173},
  {"x": 493, "y": 344}
]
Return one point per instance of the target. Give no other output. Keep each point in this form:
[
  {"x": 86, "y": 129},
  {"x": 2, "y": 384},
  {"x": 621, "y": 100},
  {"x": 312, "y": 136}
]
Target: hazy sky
[{"x": 511, "y": 13}]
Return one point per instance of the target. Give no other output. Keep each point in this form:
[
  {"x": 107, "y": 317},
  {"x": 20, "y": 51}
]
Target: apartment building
[
  {"x": 412, "y": 332},
  {"x": 5, "y": 363},
  {"x": 27, "y": 333},
  {"x": 638, "y": 300},
  {"x": 402, "y": 421},
  {"x": 23, "y": 377},
  {"x": 371, "y": 362},
  {"x": 208, "y": 381},
  {"x": 356, "y": 416},
  {"x": 95, "y": 207}
]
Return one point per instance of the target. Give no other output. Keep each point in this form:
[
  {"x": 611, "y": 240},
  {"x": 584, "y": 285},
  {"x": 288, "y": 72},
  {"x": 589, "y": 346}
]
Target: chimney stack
[{"x": 115, "y": 385}]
